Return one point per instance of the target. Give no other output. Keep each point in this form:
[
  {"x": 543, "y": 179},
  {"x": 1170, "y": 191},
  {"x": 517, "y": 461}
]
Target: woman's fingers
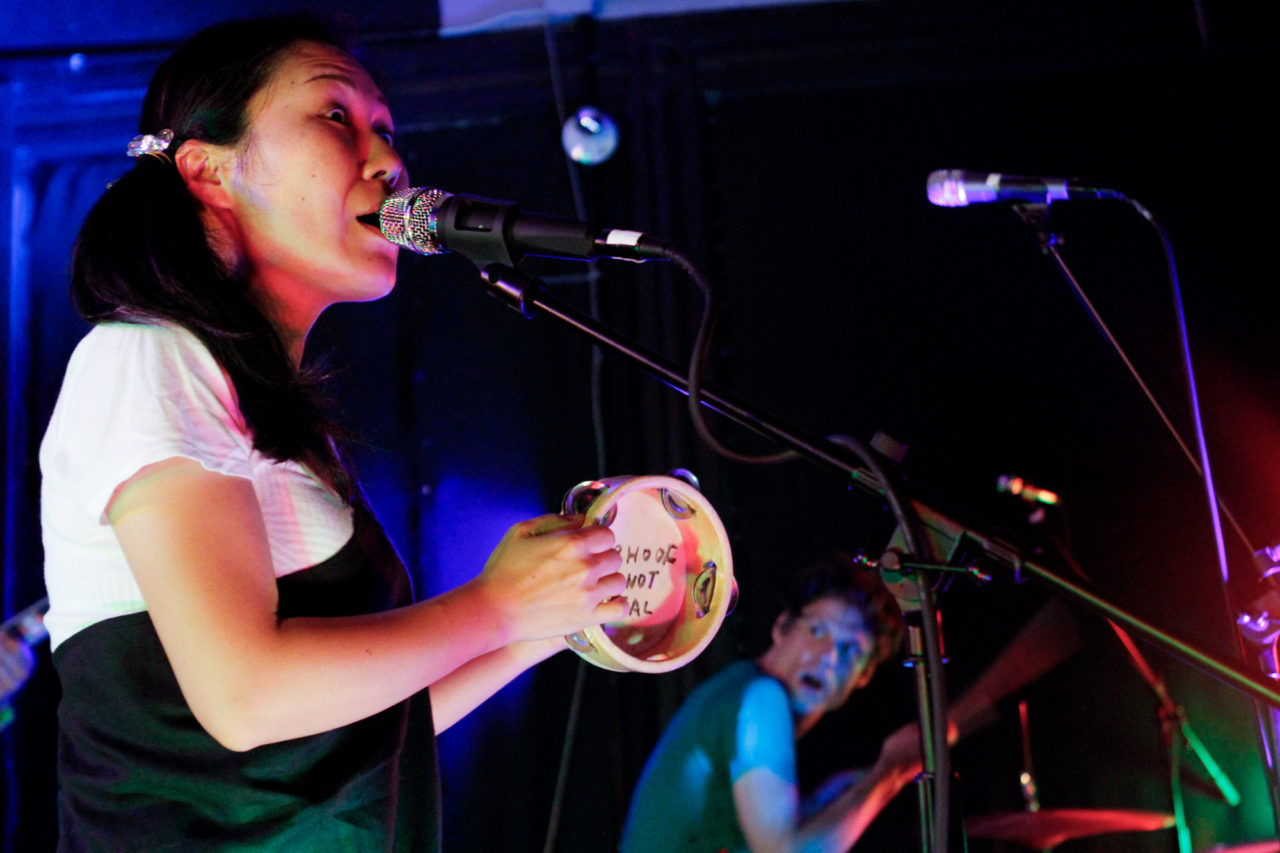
[
  {"x": 612, "y": 609},
  {"x": 543, "y": 525},
  {"x": 602, "y": 564},
  {"x": 556, "y": 575},
  {"x": 589, "y": 549}
]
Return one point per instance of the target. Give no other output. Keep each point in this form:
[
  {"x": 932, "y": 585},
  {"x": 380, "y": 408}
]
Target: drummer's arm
[
  {"x": 463, "y": 690},
  {"x": 770, "y": 815}
]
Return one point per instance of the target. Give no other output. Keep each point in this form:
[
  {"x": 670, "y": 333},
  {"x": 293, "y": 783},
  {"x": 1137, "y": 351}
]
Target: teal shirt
[{"x": 738, "y": 720}]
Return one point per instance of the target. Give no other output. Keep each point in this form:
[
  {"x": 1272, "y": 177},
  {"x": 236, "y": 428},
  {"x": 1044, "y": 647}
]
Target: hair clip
[{"x": 145, "y": 143}]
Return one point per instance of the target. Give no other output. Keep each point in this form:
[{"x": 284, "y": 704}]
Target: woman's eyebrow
[{"x": 345, "y": 79}]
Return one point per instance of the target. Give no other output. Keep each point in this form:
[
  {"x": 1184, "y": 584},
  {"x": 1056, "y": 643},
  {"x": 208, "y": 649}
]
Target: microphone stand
[
  {"x": 1172, "y": 716},
  {"x": 525, "y": 294},
  {"x": 936, "y": 531},
  {"x": 1173, "y": 722}
]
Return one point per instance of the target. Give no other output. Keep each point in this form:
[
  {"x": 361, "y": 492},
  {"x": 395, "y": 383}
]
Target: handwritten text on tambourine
[{"x": 648, "y": 589}]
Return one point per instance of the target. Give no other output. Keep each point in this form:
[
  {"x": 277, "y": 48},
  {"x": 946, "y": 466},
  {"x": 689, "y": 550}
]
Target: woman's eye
[
  {"x": 337, "y": 114},
  {"x": 388, "y": 137}
]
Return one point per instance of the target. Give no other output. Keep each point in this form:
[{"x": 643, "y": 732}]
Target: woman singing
[{"x": 243, "y": 666}]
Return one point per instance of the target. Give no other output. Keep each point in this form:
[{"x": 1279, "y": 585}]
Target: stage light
[{"x": 589, "y": 136}]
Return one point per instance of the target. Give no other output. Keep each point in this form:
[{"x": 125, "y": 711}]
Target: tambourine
[{"x": 679, "y": 571}]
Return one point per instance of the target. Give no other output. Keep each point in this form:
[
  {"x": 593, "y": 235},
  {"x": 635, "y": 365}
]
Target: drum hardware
[
  {"x": 1027, "y": 779},
  {"x": 1047, "y": 828},
  {"x": 1044, "y": 829}
]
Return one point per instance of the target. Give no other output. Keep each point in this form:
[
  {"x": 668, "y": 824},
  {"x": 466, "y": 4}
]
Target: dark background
[{"x": 785, "y": 151}]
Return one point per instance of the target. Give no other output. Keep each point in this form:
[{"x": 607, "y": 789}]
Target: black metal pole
[{"x": 531, "y": 301}]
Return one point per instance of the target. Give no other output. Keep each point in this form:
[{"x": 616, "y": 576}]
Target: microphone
[
  {"x": 958, "y": 188},
  {"x": 430, "y": 221},
  {"x": 1020, "y": 488}
]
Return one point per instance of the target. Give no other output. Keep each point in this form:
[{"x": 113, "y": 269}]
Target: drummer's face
[{"x": 822, "y": 654}]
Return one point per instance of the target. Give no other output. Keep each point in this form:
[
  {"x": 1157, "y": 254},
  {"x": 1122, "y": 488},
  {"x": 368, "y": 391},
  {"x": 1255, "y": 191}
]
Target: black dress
[{"x": 137, "y": 772}]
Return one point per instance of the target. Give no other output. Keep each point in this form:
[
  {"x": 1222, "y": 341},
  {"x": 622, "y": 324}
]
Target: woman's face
[{"x": 318, "y": 153}]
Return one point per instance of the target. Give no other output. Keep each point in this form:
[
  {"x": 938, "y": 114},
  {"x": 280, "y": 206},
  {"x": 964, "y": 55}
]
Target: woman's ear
[{"x": 204, "y": 168}]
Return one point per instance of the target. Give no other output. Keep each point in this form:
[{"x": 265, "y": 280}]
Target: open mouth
[
  {"x": 812, "y": 682},
  {"x": 372, "y": 219}
]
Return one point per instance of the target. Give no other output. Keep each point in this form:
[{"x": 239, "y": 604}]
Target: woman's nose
[{"x": 385, "y": 165}]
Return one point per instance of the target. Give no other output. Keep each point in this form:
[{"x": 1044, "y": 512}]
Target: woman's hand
[
  {"x": 207, "y": 590},
  {"x": 551, "y": 576}
]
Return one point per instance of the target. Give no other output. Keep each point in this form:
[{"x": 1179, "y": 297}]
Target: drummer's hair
[{"x": 837, "y": 575}]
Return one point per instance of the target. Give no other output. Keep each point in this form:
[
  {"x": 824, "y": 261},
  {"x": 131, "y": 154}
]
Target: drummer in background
[{"x": 723, "y": 775}]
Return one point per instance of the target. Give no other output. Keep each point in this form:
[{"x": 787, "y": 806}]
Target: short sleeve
[
  {"x": 134, "y": 395},
  {"x": 764, "y": 733}
]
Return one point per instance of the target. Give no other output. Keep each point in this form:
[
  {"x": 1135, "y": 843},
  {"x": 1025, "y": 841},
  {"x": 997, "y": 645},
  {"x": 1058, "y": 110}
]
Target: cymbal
[{"x": 1048, "y": 828}]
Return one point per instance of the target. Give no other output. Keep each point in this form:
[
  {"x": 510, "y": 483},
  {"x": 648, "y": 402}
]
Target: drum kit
[
  {"x": 1044, "y": 829},
  {"x": 1047, "y": 828}
]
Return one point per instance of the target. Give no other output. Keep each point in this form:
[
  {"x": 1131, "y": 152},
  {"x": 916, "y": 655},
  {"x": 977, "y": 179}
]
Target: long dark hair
[{"x": 143, "y": 256}]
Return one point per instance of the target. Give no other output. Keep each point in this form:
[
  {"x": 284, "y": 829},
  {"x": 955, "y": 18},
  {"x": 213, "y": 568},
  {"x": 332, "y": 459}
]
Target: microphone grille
[
  {"x": 408, "y": 219},
  {"x": 946, "y": 188}
]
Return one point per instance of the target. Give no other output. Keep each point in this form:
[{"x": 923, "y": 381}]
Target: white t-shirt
[{"x": 134, "y": 395}]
